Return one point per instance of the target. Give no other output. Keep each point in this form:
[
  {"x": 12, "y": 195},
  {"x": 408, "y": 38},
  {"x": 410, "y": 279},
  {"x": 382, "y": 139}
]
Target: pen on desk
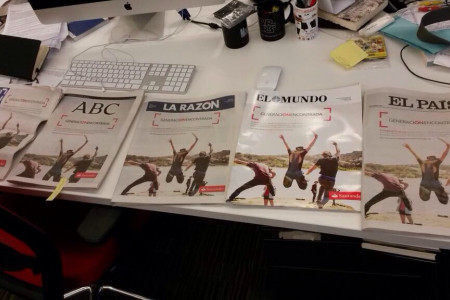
[{"x": 313, "y": 2}]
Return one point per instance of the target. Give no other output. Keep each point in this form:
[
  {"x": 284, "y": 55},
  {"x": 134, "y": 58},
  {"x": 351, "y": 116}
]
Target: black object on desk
[
  {"x": 272, "y": 18},
  {"x": 236, "y": 36},
  {"x": 21, "y": 57}
]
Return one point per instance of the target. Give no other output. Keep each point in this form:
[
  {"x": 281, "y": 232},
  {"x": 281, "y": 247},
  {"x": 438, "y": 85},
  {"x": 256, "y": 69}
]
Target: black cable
[
  {"x": 211, "y": 25},
  {"x": 421, "y": 77}
]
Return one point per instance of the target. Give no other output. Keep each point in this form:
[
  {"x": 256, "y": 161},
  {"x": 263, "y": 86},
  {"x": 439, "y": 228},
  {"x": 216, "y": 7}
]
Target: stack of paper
[{"x": 22, "y": 22}]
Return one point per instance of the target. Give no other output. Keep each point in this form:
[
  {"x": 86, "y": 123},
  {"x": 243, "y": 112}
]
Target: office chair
[{"x": 42, "y": 255}]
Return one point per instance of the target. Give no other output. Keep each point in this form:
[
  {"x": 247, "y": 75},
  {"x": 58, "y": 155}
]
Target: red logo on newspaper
[
  {"x": 212, "y": 188},
  {"x": 345, "y": 195},
  {"x": 86, "y": 175},
  {"x": 2, "y": 162}
]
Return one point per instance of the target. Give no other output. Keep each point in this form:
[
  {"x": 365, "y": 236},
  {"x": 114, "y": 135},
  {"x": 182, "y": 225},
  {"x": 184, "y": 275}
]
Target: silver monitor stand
[{"x": 142, "y": 27}]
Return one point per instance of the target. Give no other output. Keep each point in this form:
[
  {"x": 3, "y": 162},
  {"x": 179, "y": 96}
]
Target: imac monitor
[{"x": 57, "y": 11}]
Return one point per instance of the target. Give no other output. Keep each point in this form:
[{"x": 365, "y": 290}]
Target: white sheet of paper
[
  {"x": 443, "y": 58},
  {"x": 22, "y": 22}
]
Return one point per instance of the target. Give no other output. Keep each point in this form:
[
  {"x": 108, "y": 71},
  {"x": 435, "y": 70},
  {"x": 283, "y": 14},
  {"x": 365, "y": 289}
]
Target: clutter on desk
[
  {"x": 433, "y": 18},
  {"x": 79, "y": 29},
  {"x": 233, "y": 13},
  {"x": 233, "y": 18},
  {"x": 334, "y": 6},
  {"x": 348, "y": 54},
  {"x": 306, "y": 19},
  {"x": 405, "y": 29},
  {"x": 22, "y": 22},
  {"x": 379, "y": 22},
  {"x": 356, "y": 15},
  {"x": 374, "y": 46}
]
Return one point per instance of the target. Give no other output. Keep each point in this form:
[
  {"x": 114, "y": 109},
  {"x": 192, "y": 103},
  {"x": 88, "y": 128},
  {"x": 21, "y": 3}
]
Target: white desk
[{"x": 306, "y": 65}]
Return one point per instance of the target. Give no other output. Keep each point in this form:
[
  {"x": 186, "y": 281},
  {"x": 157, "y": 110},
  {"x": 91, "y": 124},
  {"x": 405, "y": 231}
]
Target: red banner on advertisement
[
  {"x": 86, "y": 175},
  {"x": 344, "y": 195},
  {"x": 2, "y": 162},
  {"x": 212, "y": 188}
]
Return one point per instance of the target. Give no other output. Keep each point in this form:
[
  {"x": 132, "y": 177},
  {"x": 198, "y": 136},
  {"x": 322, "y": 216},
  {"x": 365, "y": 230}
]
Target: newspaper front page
[
  {"x": 181, "y": 151},
  {"x": 22, "y": 109},
  {"x": 80, "y": 140},
  {"x": 300, "y": 149},
  {"x": 406, "y": 164}
]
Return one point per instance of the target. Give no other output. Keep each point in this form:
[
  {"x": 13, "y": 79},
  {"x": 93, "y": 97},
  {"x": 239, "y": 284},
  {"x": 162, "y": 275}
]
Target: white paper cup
[{"x": 306, "y": 21}]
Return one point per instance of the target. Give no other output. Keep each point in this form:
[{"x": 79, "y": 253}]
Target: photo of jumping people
[
  {"x": 329, "y": 165},
  {"x": 177, "y": 161},
  {"x": 411, "y": 144},
  {"x": 193, "y": 145},
  {"x": 296, "y": 157},
  {"x": 288, "y": 132},
  {"x": 81, "y": 166},
  {"x": 151, "y": 173},
  {"x": 201, "y": 165},
  {"x": 63, "y": 157}
]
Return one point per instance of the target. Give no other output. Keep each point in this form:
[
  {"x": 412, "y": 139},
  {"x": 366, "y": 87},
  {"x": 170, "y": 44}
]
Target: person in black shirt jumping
[
  {"x": 177, "y": 162},
  {"x": 201, "y": 165},
  {"x": 63, "y": 157},
  {"x": 81, "y": 166},
  {"x": 328, "y": 165}
]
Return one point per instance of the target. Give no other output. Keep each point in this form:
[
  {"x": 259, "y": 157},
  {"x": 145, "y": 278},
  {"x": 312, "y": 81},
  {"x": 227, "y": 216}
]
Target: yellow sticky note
[
  {"x": 57, "y": 189},
  {"x": 348, "y": 54}
]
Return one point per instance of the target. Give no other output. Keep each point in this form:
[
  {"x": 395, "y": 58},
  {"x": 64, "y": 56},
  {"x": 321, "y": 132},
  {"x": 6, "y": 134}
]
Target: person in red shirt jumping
[
  {"x": 263, "y": 176},
  {"x": 392, "y": 187}
]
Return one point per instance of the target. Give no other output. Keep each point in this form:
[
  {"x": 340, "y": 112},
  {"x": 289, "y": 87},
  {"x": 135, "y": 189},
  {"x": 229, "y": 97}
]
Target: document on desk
[
  {"x": 406, "y": 163},
  {"x": 443, "y": 58},
  {"x": 22, "y": 22},
  {"x": 182, "y": 151},
  {"x": 300, "y": 149},
  {"x": 22, "y": 109},
  {"x": 80, "y": 140}
]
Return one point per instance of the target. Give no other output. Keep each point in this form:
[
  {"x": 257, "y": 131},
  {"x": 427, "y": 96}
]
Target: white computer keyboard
[{"x": 151, "y": 77}]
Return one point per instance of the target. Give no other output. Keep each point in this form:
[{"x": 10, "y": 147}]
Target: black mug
[
  {"x": 271, "y": 19},
  {"x": 236, "y": 36}
]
